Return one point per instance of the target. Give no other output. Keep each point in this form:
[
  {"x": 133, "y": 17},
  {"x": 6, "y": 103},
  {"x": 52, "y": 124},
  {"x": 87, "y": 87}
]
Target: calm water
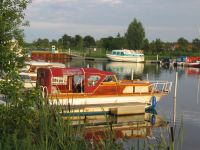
[{"x": 188, "y": 105}]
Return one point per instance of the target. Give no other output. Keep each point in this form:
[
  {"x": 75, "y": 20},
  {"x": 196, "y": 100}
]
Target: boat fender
[
  {"x": 153, "y": 120},
  {"x": 153, "y": 102}
]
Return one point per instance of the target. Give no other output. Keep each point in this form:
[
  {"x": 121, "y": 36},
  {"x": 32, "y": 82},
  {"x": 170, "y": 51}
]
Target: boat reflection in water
[
  {"x": 192, "y": 71},
  {"x": 124, "y": 68},
  {"x": 139, "y": 126},
  {"x": 189, "y": 71}
]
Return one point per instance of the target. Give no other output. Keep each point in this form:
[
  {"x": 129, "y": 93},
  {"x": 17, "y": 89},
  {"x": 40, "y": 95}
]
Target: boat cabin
[
  {"x": 76, "y": 80},
  {"x": 125, "y": 52}
]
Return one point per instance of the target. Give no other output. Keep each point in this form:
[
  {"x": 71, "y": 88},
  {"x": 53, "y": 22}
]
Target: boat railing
[
  {"x": 161, "y": 86},
  {"x": 44, "y": 91}
]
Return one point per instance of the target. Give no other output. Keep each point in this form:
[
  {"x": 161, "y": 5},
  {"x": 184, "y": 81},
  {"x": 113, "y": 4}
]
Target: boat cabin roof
[{"x": 77, "y": 71}]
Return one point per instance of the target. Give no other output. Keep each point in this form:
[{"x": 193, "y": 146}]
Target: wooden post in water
[{"x": 175, "y": 93}]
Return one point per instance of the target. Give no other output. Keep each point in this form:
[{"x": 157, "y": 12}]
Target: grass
[{"x": 30, "y": 124}]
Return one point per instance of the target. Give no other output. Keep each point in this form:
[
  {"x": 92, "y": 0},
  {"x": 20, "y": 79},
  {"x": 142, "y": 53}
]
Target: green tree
[
  {"x": 146, "y": 46},
  {"x": 88, "y": 41},
  {"x": 78, "y": 41},
  {"x": 111, "y": 43},
  {"x": 17, "y": 115},
  {"x": 196, "y": 45},
  {"x": 42, "y": 43},
  {"x": 168, "y": 46},
  {"x": 158, "y": 46},
  {"x": 107, "y": 43},
  {"x": 183, "y": 44},
  {"x": 65, "y": 41},
  {"x": 152, "y": 47},
  {"x": 54, "y": 42},
  {"x": 11, "y": 19},
  {"x": 135, "y": 35}
]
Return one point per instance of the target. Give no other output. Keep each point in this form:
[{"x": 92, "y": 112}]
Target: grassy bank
[{"x": 101, "y": 53}]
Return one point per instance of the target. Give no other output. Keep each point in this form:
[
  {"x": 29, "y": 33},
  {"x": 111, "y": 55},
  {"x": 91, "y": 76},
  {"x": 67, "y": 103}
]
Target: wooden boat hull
[{"x": 109, "y": 101}]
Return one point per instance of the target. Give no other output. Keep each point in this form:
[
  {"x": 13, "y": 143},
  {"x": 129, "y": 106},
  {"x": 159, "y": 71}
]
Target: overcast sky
[{"x": 164, "y": 19}]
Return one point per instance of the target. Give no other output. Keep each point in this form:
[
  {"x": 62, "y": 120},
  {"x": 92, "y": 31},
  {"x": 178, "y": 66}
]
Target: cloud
[
  {"x": 79, "y": 28},
  {"x": 112, "y": 2},
  {"x": 103, "y": 17},
  {"x": 64, "y": 2},
  {"x": 56, "y": 30}
]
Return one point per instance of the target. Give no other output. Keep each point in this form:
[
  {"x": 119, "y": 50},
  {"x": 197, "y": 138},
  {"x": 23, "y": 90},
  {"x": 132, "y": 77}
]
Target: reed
[{"x": 30, "y": 123}]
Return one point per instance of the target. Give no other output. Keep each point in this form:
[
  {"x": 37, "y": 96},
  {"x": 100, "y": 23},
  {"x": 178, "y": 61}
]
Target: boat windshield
[
  {"x": 93, "y": 80},
  {"x": 110, "y": 78}
]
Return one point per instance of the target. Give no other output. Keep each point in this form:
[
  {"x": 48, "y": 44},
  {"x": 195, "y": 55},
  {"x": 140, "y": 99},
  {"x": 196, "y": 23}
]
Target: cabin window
[
  {"x": 93, "y": 80},
  {"x": 114, "y": 53},
  {"x": 110, "y": 78},
  {"x": 78, "y": 79},
  {"x": 118, "y": 53},
  {"x": 79, "y": 83},
  {"x": 59, "y": 80},
  {"x": 122, "y": 53}
]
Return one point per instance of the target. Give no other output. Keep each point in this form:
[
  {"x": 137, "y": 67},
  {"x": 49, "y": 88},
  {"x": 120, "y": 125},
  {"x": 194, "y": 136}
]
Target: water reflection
[
  {"x": 125, "y": 69},
  {"x": 122, "y": 127},
  {"x": 188, "y": 95}
]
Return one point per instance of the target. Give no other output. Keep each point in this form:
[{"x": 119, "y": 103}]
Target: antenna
[{"x": 199, "y": 32}]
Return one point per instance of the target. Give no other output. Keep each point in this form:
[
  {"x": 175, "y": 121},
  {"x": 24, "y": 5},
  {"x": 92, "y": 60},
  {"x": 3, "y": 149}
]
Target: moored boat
[
  {"x": 188, "y": 61},
  {"x": 79, "y": 88},
  {"x": 126, "y": 55},
  {"x": 31, "y": 67}
]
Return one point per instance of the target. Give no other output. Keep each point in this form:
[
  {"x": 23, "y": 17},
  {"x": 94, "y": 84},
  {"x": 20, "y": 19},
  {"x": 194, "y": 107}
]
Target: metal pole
[
  {"x": 198, "y": 91},
  {"x": 132, "y": 74},
  {"x": 175, "y": 93}
]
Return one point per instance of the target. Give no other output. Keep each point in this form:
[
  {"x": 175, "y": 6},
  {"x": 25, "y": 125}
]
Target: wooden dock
[{"x": 50, "y": 57}]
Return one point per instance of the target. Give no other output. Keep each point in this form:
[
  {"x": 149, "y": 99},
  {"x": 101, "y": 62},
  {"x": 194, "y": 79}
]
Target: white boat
[
  {"x": 27, "y": 82},
  {"x": 126, "y": 55},
  {"x": 31, "y": 67}
]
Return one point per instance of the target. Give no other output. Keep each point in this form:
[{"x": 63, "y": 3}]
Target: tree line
[{"x": 134, "y": 38}]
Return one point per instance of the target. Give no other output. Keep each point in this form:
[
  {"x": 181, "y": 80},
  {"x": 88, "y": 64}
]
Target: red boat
[
  {"x": 90, "y": 87},
  {"x": 193, "y": 61}
]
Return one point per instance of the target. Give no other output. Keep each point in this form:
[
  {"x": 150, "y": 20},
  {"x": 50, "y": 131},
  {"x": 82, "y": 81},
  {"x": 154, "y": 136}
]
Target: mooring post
[
  {"x": 198, "y": 91},
  {"x": 175, "y": 93}
]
